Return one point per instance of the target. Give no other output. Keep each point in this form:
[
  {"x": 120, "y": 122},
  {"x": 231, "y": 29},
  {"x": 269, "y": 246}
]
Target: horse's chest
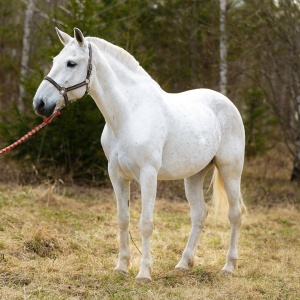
[
  {"x": 130, "y": 156},
  {"x": 130, "y": 160},
  {"x": 127, "y": 166}
]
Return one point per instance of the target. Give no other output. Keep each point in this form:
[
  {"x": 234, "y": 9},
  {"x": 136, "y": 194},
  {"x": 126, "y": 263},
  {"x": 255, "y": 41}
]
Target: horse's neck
[
  {"x": 117, "y": 89},
  {"x": 107, "y": 95}
]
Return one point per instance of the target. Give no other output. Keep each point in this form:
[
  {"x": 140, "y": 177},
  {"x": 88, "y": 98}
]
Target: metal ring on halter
[{"x": 64, "y": 90}]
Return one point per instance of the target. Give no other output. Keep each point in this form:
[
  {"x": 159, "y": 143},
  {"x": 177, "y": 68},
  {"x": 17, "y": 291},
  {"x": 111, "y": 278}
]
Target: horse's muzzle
[{"x": 41, "y": 108}]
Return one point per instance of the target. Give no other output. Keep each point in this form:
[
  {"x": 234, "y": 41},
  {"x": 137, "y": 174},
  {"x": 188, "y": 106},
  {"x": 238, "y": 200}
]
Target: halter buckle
[{"x": 62, "y": 91}]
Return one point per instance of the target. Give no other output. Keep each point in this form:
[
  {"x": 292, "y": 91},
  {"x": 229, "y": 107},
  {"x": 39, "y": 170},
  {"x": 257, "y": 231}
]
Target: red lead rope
[{"x": 30, "y": 133}]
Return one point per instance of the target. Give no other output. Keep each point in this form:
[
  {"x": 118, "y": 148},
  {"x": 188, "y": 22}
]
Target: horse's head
[{"x": 69, "y": 76}]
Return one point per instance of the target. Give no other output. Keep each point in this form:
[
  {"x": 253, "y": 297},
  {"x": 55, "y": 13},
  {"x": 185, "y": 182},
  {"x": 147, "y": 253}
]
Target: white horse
[{"x": 151, "y": 135}]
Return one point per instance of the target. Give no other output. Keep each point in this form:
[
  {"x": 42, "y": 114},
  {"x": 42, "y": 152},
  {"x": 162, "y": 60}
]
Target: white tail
[{"x": 219, "y": 196}]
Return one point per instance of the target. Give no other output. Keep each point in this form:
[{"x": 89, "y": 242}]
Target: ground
[{"x": 59, "y": 242}]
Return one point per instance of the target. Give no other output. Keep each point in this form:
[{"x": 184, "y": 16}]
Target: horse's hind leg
[
  {"x": 231, "y": 176},
  {"x": 194, "y": 193}
]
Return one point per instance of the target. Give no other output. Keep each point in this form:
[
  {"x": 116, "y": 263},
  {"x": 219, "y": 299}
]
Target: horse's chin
[{"x": 59, "y": 106}]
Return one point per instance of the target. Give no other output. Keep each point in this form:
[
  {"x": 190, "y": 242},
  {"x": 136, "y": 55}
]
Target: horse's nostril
[{"x": 41, "y": 104}]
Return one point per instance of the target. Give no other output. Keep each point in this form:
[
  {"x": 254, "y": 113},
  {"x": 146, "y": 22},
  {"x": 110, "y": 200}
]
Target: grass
[{"x": 61, "y": 242}]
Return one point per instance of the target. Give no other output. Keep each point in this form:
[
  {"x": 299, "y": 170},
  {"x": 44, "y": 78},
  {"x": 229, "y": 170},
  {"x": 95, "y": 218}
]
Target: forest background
[
  {"x": 248, "y": 49},
  {"x": 58, "y": 229}
]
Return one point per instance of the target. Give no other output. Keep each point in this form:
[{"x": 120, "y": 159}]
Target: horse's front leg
[
  {"x": 148, "y": 182},
  {"x": 122, "y": 191}
]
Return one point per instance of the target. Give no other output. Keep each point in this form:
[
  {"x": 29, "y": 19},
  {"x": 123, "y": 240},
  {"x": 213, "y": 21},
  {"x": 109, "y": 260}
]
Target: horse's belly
[
  {"x": 179, "y": 170},
  {"x": 183, "y": 163}
]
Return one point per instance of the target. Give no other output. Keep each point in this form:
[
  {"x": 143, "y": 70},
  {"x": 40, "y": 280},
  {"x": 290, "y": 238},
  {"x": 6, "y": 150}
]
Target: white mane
[{"x": 119, "y": 54}]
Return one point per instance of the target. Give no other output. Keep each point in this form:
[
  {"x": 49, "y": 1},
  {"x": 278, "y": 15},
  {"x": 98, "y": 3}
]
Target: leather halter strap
[{"x": 63, "y": 90}]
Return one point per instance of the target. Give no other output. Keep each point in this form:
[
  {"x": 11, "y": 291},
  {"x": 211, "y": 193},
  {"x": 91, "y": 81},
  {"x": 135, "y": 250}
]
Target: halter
[{"x": 63, "y": 90}]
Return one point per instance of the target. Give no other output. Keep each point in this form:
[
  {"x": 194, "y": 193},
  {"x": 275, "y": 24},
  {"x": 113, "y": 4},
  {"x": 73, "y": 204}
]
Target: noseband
[{"x": 63, "y": 90}]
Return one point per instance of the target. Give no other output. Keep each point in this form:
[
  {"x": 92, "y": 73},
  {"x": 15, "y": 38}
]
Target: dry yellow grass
[
  {"x": 61, "y": 243},
  {"x": 64, "y": 246}
]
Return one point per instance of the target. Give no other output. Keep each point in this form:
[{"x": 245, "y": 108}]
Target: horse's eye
[{"x": 71, "y": 64}]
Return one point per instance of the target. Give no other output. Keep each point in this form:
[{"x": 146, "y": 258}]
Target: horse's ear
[
  {"x": 79, "y": 36},
  {"x": 64, "y": 37}
]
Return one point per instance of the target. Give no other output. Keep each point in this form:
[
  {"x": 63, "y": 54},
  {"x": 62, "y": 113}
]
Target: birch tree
[
  {"x": 25, "y": 53},
  {"x": 223, "y": 47}
]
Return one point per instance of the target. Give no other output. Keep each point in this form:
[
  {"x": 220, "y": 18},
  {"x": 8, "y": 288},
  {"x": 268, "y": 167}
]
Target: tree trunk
[
  {"x": 296, "y": 168},
  {"x": 223, "y": 48},
  {"x": 25, "y": 54},
  {"x": 193, "y": 45}
]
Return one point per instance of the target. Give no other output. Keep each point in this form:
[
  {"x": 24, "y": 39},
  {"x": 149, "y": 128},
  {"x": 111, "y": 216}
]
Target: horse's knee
[{"x": 146, "y": 227}]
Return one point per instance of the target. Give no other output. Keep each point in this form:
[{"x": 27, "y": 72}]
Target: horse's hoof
[
  {"x": 182, "y": 267},
  {"x": 185, "y": 264},
  {"x": 225, "y": 272},
  {"x": 143, "y": 280}
]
